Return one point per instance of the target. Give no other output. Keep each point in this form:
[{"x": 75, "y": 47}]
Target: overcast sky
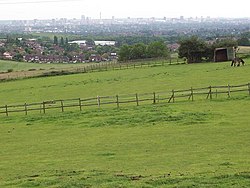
[{"x": 48, "y": 9}]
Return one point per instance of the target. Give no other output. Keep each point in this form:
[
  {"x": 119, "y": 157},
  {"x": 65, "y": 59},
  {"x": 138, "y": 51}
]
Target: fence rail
[
  {"x": 135, "y": 99},
  {"x": 114, "y": 65}
]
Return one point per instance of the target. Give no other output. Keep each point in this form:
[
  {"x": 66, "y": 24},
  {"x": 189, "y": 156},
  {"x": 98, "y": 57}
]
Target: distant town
[
  {"x": 86, "y": 25},
  {"x": 94, "y": 40}
]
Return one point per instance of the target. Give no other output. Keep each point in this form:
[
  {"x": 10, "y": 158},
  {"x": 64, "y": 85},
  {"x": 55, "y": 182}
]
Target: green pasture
[
  {"x": 131, "y": 81},
  {"x": 23, "y": 66},
  {"x": 204, "y": 143},
  {"x": 244, "y": 50}
]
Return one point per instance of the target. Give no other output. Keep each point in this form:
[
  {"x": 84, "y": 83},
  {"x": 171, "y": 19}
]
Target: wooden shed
[{"x": 224, "y": 54}]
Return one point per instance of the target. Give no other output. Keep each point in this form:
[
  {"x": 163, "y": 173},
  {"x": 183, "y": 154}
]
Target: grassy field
[
  {"x": 188, "y": 144},
  {"x": 23, "y": 66},
  {"x": 244, "y": 49},
  {"x": 139, "y": 80}
]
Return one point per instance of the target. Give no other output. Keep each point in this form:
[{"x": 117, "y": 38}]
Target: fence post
[
  {"x": 6, "y": 110},
  {"x": 98, "y": 101},
  {"x": 137, "y": 100},
  {"x": 43, "y": 107},
  {"x": 170, "y": 98},
  {"x": 117, "y": 101},
  {"x": 25, "y": 108},
  {"x": 192, "y": 94},
  {"x": 154, "y": 99},
  {"x": 62, "y": 106},
  {"x": 80, "y": 104},
  {"x": 173, "y": 96},
  {"x": 211, "y": 97},
  {"x": 249, "y": 88},
  {"x": 210, "y": 92},
  {"x": 229, "y": 92}
]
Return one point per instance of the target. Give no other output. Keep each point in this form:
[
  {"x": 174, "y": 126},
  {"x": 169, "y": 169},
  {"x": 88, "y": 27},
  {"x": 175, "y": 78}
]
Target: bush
[{"x": 10, "y": 70}]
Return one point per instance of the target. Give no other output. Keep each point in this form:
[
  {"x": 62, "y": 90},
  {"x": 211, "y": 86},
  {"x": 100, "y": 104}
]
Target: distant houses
[
  {"x": 33, "y": 51},
  {"x": 54, "y": 59},
  {"x": 64, "y": 59},
  {"x": 7, "y": 56}
]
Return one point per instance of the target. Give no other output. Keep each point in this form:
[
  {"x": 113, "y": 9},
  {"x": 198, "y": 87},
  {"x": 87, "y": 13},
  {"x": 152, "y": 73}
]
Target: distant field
[
  {"x": 21, "y": 66},
  {"x": 244, "y": 50},
  {"x": 186, "y": 144}
]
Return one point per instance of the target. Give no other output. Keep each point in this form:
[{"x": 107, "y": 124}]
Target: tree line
[{"x": 157, "y": 49}]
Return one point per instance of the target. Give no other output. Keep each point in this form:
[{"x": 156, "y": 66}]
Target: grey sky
[{"x": 48, "y": 9}]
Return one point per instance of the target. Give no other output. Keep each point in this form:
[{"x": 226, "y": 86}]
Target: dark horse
[{"x": 236, "y": 61}]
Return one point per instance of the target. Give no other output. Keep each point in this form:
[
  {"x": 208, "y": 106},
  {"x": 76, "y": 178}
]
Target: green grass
[
  {"x": 188, "y": 144},
  {"x": 23, "y": 66},
  {"x": 202, "y": 144},
  {"x": 139, "y": 80},
  {"x": 244, "y": 50}
]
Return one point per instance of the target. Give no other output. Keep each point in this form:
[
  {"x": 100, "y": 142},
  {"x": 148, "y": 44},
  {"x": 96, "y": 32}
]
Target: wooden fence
[
  {"x": 86, "y": 68},
  {"x": 134, "y": 99},
  {"x": 114, "y": 65}
]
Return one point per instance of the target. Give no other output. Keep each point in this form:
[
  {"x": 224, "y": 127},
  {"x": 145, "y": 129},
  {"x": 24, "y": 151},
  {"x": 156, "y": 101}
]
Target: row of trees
[{"x": 156, "y": 49}]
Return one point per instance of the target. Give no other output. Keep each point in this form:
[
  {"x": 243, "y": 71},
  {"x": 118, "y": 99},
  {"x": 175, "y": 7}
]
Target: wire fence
[{"x": 117, "y": 101}]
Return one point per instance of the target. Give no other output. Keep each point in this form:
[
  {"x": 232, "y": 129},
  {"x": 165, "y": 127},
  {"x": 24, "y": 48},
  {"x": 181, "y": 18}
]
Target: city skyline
[{"x": 52, "y": 9}]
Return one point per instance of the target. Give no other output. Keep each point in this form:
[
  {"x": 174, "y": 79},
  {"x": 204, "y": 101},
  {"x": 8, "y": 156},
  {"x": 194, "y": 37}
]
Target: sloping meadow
[{"x": 200, "y": 143}]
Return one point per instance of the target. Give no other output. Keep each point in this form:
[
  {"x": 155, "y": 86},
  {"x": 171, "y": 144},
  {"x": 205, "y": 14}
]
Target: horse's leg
[
  {"x": 243, "y": 62},
  {"x": 232, "y": 63}
]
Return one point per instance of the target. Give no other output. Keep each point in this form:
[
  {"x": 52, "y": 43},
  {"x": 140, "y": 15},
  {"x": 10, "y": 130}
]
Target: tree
[
  {"x": 18, "y": 57},
  {"x": 138, "y": 51},
  {"x": 55, "y": 40},
  {"x": 124, "y": 53},
  {"x": 193, "y": 49},
  {"x": 90, "y": 42},
  {"x": 157, "y": 49},
  {"x": 10, "y": 39},
  {"x": 141, "y": 51},
  {"x": 62, "y": 41},
  {"x": 66, "y": 40},
  {"x": 225, "y": 43},
  {"x": 244, "y": 41},
  {"x": 2, "y": 50}
]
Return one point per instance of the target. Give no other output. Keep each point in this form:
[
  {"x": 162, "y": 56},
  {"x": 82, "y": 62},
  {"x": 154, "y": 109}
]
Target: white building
[
  {"x": 105, "y": 43},
  {"x": 79, "y": 42}
]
